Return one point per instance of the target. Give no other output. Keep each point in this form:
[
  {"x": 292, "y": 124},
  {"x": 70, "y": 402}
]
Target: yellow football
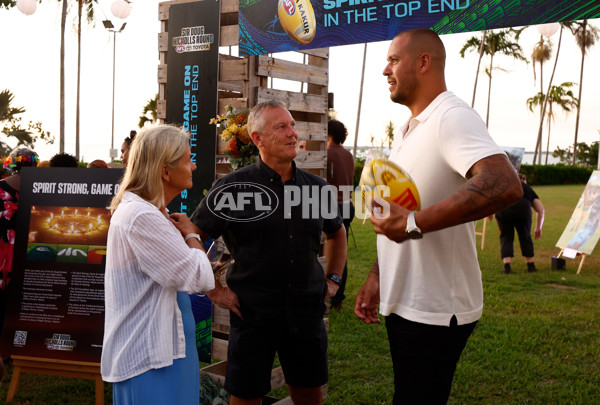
[
  {"x": 297, "y": 18},
  {"x": 402, "y": 189}
]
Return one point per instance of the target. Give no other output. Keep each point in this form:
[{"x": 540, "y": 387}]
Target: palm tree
[
  {"x": 481, "y": 48},
  {"x": 90, "y": 17},
  {"x": 10, "y": 125},
  {"x": 389, "y": 133},
  {"x": 500, "y": 42},
  {"x": 562, "y": 96},
  {"x": 61, "y": 130},
  {"x": 538, "y": 144},
  {"x": 541, "y": 53},
  {"x": 150, "y": 112},
  {"x": 586, "y": 36}
]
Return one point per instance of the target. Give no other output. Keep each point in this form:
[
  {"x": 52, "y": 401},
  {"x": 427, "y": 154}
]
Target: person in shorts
[{"x": 276, "y": 289}]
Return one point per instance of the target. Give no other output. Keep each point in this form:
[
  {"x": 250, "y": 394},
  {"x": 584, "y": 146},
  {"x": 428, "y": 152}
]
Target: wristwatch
[
  {"x": 334, "y": 277},
  {"x": 412, "y": 230},
  {"x": 193, "y": 235}
]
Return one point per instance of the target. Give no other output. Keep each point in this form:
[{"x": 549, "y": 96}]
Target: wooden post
[
  {"x": 581, "y": 262},
  {"x": 482, "y": 233},
  {"x": 583, "y": 255},
  {"x": 64, "y": 368}
]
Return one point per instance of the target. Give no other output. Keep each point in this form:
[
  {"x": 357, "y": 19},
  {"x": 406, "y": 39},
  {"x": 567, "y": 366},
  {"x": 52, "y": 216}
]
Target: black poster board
[
  {"x": 192, "y": 85},
  {"x": 55, "y": 303}
]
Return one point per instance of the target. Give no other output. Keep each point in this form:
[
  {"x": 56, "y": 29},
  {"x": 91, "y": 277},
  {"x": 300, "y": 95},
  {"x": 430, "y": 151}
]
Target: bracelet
[{"x": 193, "y": 235}]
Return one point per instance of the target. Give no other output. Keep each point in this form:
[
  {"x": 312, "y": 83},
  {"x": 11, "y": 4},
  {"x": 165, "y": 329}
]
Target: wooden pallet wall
[{"x": 244, "y": 82}]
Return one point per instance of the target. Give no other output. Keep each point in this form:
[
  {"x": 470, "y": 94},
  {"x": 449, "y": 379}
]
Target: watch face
[{"x": 415, "y": 235}]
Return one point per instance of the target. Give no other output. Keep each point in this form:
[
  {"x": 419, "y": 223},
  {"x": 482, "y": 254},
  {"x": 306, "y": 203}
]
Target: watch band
[
  {"x": 193, "y": 235},
  {"x": 412, "y": 230},
  {"x": 335, "y": 278}
]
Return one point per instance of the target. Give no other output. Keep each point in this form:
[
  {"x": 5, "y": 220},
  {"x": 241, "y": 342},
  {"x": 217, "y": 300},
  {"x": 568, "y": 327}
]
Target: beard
[{"x": 405, "y": 94}]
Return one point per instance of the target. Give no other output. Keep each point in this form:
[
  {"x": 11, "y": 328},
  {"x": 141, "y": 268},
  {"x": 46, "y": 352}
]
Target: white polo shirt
[
  {"x": 431, "y": 279},
  {"x": 147, "y": 262}
]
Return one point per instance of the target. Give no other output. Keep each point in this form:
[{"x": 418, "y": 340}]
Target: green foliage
[
  {"x": 358, "y": 168},
  {"x": 389, "y": 133},
  {"x": 11, "y": 127},
  {"x": 150, "y": 112},
  {"x": 555, "y": 174},
  {"x": 499, "y": 41},
  {"x": 211, "y": 392},
  {"x": 7, "y": 4},
  {"x": 560, "y": 95},
  {"x": 587, "y": 156}
]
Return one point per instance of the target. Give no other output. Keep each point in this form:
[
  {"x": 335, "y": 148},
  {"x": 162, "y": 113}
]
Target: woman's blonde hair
[{"x": 151, "y": 149}]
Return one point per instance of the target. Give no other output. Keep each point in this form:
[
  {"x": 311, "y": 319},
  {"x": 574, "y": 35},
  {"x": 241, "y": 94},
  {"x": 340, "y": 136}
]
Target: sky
[{"x": 30, "y": 61}]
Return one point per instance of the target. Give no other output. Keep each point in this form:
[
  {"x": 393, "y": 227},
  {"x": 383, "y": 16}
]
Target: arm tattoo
[{"x": 488, "y": 188}]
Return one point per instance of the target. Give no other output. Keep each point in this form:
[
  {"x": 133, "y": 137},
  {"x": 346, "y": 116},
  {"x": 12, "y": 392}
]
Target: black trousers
[
  {"x": 424, "y": 358},
  {"x": 508, "y": 224}
]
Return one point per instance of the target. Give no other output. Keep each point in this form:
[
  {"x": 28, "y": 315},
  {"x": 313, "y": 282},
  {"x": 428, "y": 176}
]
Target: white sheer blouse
[{"x": 147, "y": 262}]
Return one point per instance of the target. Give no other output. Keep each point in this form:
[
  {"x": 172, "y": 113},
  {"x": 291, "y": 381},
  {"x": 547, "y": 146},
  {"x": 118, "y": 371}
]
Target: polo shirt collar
[
  {"x": 272, "y": 174},
  {"x": 426, "y": 113}
]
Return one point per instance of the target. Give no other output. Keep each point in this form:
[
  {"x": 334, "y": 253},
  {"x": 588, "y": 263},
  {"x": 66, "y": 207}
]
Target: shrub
[{"x": 556, "y": 174}]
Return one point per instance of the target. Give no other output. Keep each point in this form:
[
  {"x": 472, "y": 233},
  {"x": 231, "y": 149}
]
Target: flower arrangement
[{"x": 234, "y": 125}]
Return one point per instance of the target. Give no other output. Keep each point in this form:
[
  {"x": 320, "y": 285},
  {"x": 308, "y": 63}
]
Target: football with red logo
[
  {"x": 393, "y": 179},
  {"x": 297, "y": 18}
]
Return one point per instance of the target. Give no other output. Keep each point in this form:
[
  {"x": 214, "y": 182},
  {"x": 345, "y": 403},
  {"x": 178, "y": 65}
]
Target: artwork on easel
[
  {"x": 515, "y": 155},
  {"x": 583, "y": 231}
]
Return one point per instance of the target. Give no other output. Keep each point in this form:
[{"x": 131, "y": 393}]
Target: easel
[
  {"x": 64, "y": 368},
  {"x": 583, "y": 255},
  {"x": 482, "y": 233}
]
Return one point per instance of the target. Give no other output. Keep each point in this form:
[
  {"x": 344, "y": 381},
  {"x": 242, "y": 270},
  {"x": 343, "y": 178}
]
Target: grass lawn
[{"x": 537, "y": 342}]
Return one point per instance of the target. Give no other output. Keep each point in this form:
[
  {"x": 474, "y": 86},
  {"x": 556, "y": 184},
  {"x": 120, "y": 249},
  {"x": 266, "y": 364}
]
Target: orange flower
[
  {"x": 232, "y": 147},
  {"x": 241, "y": 118}
]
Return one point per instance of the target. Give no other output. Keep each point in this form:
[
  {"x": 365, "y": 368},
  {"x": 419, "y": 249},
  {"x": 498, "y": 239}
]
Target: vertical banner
[
  {"x": 192, "y": 79},
  {"x": 192, "y": 87},
  {"x": 55, "y": 303}
]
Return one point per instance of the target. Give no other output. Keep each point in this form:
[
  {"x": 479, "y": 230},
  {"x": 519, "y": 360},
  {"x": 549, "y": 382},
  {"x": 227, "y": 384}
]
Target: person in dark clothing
[
  {"x": 9, "y": 202},
  {"x": 276, "y": 289},
  {"x": 518, "y": 217},
  {"x": 340, "y": 173}
]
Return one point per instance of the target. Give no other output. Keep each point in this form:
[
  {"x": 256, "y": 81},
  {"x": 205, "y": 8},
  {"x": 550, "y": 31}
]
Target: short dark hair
[
  {"x": 337, "y": 131},
  {"x": 131, "y": 137},
  {"x": 64, "y": 160}
]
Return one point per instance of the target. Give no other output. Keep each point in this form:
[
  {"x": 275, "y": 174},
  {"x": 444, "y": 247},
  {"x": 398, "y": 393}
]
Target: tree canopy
[{"x": 11, "y": 127}]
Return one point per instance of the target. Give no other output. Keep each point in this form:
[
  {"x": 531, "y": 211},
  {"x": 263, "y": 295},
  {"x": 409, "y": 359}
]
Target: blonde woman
[{"x": 149, "y": 351}]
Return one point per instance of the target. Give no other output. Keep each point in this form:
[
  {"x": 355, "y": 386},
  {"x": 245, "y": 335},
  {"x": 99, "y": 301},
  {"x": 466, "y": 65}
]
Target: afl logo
[
  {"x": 242, "y": 202},
  {"x": 289, "y": 7},
  {"x": 179, "y": 49}
]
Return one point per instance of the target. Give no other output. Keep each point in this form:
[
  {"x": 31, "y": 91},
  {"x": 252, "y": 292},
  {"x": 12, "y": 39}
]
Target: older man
[
  {"x": 271, "y": 218},
  {"x": 427, "y": 280}
]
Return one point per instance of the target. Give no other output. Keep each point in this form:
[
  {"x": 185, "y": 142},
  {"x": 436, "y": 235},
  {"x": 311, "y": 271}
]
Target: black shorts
[{"x": 251, "y": 352}]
